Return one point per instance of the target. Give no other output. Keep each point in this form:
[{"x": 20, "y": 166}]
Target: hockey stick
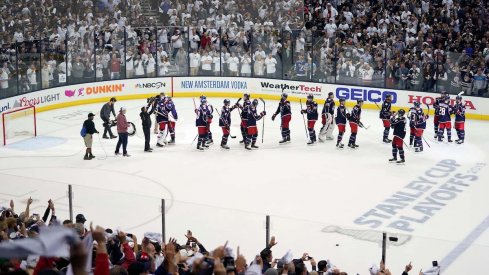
[
  {"x": 263, "y": 121},
  {"x": 427, "y": 106},
  {"x": 377, "y": 105},
  {"x": 304, "y": 119},
  {"x": 363, "y": 126},
  {"x": 220, "y": 118}
]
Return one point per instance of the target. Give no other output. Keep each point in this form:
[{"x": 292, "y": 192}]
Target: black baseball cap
[
  {"x": 113, "y": 99},
  {"x": 80, "y": 218},
  {"x": 91, "y": 115}
]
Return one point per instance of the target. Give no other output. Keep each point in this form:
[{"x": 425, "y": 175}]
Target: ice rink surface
[{"x": 332, "y": 203}]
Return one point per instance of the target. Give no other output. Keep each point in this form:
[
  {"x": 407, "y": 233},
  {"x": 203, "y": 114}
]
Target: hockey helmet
[
  {"x": 246, "y": 96},
  {"x": 330, "y": 94},
  {"x": 359, "y": 101},
  {"x": 203, "y": 101},
  {"x": 417, "y": 104},
  {"x": 284, "y": 95},
  {"x": 458, "y": 98},
  {"x": 227, "y": 102},
  {"x": 255, "y": 102},
  {"x": 310, "y": 97},
  {"x": 342, "y": 100},
  {"x": 203, "y": 97},
  {"x": 401, "y": 112}
]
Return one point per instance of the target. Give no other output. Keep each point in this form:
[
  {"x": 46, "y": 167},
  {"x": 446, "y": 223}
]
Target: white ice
[{"x": 224, "y": 195}]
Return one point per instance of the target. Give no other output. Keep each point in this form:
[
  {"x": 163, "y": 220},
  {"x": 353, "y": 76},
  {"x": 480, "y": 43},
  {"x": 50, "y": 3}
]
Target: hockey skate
[
  {"x": 224, "y": 146},
  {"x": 340, "y": 145},
  {"x": 402, "y": 161},
  {"x": 460, "y": 141},
  {"x": 386, "y": 140},
  {"x": 393, "y": 160}
]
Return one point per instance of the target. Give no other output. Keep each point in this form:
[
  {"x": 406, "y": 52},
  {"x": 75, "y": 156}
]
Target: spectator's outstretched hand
[
  {"x": 240, "y": 262},
  {"x": 272, "y": 242},
  {"x": 408, "y": 267}
]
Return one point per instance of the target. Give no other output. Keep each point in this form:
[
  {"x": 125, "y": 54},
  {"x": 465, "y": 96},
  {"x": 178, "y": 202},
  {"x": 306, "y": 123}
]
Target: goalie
[{"x": 327, "y": 115}]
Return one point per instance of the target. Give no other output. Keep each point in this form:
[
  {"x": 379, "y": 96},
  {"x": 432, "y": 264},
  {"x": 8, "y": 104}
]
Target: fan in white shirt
[
  {"x": 194, "y": 60},
  {"x": 206, "y": 61},
  {"x": 233, "y": 63},
  {"x": 270, "y": 64}
]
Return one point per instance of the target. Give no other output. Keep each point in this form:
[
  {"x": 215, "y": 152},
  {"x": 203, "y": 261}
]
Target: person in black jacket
[
  {"x": 105, "y": 116},
  {"x": 146, "y": 123},
  {"x": 88, "y": 138}
]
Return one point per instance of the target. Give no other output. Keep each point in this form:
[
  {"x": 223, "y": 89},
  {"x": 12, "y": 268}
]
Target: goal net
[{"x": 19, "y": 124}]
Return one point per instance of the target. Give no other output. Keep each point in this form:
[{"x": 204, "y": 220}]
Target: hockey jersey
[
  {"x": 202, "y": 116},
  {"x": 328, "y": 106},
  {"x": 225, "y": 119},
  {"x": 341, "y": 115},
  {"x": 385, "y": 111},
  {"x": 355, "y": 114},
  {"x": 312, "y": 110},
  {"x": 245, "y": 109},
  {"x": 283, "y": 108},
  {"x": 399, "y": 126},
  {"x": 444, "y": 111},
  {"x": 436, "y": 105},
  {"x": 420, "y": 120},
  {"x": 253, "y": 116},
  {"x": 459, "y": 110}
]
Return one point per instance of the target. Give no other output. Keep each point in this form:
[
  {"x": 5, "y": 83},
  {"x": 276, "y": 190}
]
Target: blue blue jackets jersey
[
  {"x": 164, "y": 109},
  {"x": 245, "y": 109},
  {"x": 300, "y": 68},
  {"x": 283, "y": 108},
  {"x": 328, "y": 106},
  {"x": 459, "y": 111},
  {"x": 202, "y": 116},
  {"x": 312, "y": 110},
  {"x": 225, "y": 119},
  {"x": 355, "y": 114},
  {"x": 385, "y": 111},
  {"x": 420, "y": 121},
  {"x": 436, "y": 105},
  {"x": 399, "y": 126},
  {"x": 341, "y": 115},
  {"x": 444, "y": 111},
  {"x": 253, "y": 116},
  {"x": 412, "y": 117}
]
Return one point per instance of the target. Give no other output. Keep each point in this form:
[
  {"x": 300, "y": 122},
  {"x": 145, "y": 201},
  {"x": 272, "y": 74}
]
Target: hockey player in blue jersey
[
  {"x": 312, "y": 116},
  {"x": 210, "y": 110},
  {"x": 436, "y": 105},
  {"x": 244, "y": 115},
  {"x": 412, "y": 122},
  {"x": 172, "y": 118},
  {"x": 354, "y": 123},
  {"x": 327, "y": 119},
  {"x": 286, "y": 115},
  {"x": 202, "y": 113},
  {"x": 385, "y": 115},
  {"x": 445, "y": 121},
  {"x": 459, "y": 111},
  {"x": 225, "y": 122},
  {"x": 341, "y": 117},
  {"x": 419, "y": 125},
  {"x": 162, "y": 121},
  {"x": 252, "y": 129},
  {"x": 398, "y": 123}
]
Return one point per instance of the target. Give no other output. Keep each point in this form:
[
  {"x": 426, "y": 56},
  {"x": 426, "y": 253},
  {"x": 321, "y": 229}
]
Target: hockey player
[
  {"x": 436, "y": 105},
  {"x": 252, "y": 130},
  {"x": 445, "y": 121},
  {"x": 210, "y": 110},
  {"x": 412, "y": 122},
  {"x": 225, "y": 122},
  {"x": 385, "y": 115},
  {"x": 162, "y": 121},
  {"x": 244, "y": 115},
  {"x": 354, "y": 122},
  {"x": 286, "y": 115},
  {"x": 459, "y": 110},
  {"x": 327, "y": 119},
  {"x": 155, "y": 103},
  {"x": 172, "y": 118},
  {"x": 399, "y": 125},
  {"x": 201, "y": 122},
  {"x": 420, "y": 126},
  {"x": 312, "y": 116},
  {"x": 341, "y": 117}
]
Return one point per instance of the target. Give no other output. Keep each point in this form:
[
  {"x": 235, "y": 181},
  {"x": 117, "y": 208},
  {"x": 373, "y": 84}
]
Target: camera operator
[
  {"x": 105, "y": 116},
  {"x": 146, "y": 124}
]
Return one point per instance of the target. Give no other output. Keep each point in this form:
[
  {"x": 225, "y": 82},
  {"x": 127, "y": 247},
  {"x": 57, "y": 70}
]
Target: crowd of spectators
[
  {"x": 417, "y": 44},
  {"x": 34, "y": 244}
]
